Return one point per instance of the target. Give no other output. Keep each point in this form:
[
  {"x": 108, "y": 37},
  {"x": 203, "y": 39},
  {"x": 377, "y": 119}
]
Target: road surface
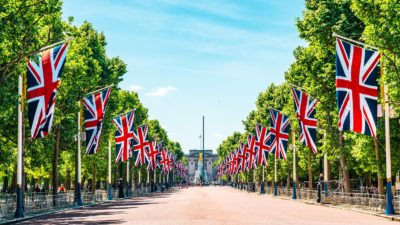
[{"x": 208, "y": 205}]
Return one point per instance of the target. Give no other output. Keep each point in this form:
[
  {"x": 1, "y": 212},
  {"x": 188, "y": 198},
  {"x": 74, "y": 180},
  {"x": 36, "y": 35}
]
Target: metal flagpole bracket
[
  {"x": 54, "y": 44},
  {"x": 354, "y": 41},
  {"x": 131, "y": 110},
  {"x": 98, "y": 90}
]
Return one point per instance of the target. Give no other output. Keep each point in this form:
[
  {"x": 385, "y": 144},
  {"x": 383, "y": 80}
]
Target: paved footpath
[{"x": 208, "y": 205}]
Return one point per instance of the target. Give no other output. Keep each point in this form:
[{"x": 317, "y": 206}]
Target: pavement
[{"x": 208, "y": 205}]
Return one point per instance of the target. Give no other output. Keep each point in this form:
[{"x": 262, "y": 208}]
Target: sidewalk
[
  {"x": 395, "y": 217},
  {"x": 32, "y": 216}
]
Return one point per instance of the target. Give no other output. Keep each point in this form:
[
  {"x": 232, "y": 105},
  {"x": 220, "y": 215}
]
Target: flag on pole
[
  {"x": 251, "y": 152},
  {"x": 242, "y": 157},
  {"x": 279, "y": 132},
  {"x": 140, "y": 143},
  {"x": 95, "y": 108},
  {"x": 124, "y": 136},
  {"x": 43, "y": 75},
  {"x": 165, "y": 160},
  {"x": 262, "y": 144},
  {"x": 356, "y": 88},
  {"x": 152, "y": 154},
  {"x": 304, "y": 107}
]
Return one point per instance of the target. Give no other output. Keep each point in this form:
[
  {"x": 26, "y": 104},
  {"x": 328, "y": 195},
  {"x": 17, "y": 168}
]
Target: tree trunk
[
  {"x": 310, "y": 175},
  {"x": 343, "y": 165},
  {"x": 378, "y": 167},
  {"x": 68, "y": 180},
  {"x": 115, "y": 185},
  {"x": 5, "y": 184},
  {"x": 55, "y": 162},
  {"x": 93, "y": 187},
  {"x": 14, "y": 180}
]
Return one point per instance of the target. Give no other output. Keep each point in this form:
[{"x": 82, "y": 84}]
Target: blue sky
[{"x": 187, "y": 58}]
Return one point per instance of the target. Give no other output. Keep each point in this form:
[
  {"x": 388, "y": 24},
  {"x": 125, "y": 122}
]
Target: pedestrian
[{"x": 62, "y": 188}]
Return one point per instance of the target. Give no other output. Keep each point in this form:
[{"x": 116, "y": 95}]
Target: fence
[
  {"x": 37, "y": 203},
  {"x": 365, "y": 201}
]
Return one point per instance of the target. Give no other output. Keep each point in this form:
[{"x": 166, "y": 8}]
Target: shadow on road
[{"x": 98, "y": 213}]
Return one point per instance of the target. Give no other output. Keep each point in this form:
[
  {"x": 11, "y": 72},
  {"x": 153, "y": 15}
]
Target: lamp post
[{"x": 203, "y": 152}]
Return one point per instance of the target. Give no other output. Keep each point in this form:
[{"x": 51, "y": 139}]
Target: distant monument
[{"x": 200, "y": 176}]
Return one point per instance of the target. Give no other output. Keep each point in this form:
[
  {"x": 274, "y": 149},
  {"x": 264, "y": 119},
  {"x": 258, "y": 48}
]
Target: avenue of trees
[
  {"x": 361, "y": 160},
  {"x": 25, "y": 27}
]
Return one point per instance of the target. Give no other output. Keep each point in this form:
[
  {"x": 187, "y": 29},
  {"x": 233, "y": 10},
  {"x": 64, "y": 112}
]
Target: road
[{"x": 208, "y": 205}]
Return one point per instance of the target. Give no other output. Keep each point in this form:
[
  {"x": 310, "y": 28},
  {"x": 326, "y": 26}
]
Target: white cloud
[
  {"x": 135, "y": 88},
  {"x": 218, "y": 136},
  {"x": 161, "y": 91}
]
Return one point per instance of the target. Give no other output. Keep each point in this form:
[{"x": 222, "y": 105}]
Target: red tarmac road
[{"x": 208, "y": 205}]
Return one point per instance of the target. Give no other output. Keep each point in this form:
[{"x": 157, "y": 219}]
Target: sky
[{"x": 194, "y": 58}]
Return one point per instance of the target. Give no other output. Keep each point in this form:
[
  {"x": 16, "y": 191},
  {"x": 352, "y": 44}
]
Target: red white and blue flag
[
  {"x": 124, "y": 136},
  {"x": 356, "y": 88},
  {"x": 164, "y": 160},
  {"x": 43, "y": 75},
  {"x": 262, "y": 144},
  {"x": 153, "y": 155},
  {"x": 140, "y": 143},
  {"x": 279, "y": 133},
  {"x": 95, "y": 108},
  {"x": 251, "y": 152},
  {"x": 242, "y": 157},
  {"x": 304, "y": 107}
]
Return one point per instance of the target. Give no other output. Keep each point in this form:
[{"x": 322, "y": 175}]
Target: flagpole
[
  {"x": 78, "y": 187},
  {"x": 354, "y": 41},
  {"x": 294, "y": 195},
  {"x": 98, "y": 90},
  {"x": 275, "y": 179},
  {"x": 325, "y": 170},
  {"x": 154, "y": 179},
  {"x": 389, "y": 201},
  {"x": 132, "y": 110},
  {"x": 127, "y": 178},
  {"x": 263, "y": 181},
  {"x": 109, "y": 169},
  {"x": 54, "y": 44},
  {"x": 148, "y": 180},
  {"x": 19, "y": 212}
]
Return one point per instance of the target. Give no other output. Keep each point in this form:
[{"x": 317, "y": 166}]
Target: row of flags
[
  {"x": 357, "y": 94},
  {"x": 43, "y": 78},
  {"x": 356, "y": 90}
]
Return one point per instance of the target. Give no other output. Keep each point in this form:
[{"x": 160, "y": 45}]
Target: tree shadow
[{"x": 78, "y": 215}]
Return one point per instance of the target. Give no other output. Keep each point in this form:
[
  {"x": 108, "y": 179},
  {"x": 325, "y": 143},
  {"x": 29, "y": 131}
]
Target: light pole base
[
  {"x": 109, "y": 192},
  {"x": 78, "y": 193},
  {"x": 275, "y": 189},
  {"x": 262, "y": 189},
  {"x": 294, "y": 195},
  {"x": 326, "y": 188},
  {"x": 19, "y": 212},
  {"x": 389, "y": 199}
]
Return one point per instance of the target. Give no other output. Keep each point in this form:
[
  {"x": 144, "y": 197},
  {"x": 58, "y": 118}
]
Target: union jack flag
[
  {"x": 171, "y": 158},
  {"x": 356, "y": 88},
  {"x": 242, "y": 157},
  {"x": 140, "y": 143},
  {"x": 95, "y": 108},
  {"x": 43, "y": 75},
  {"x": 251, "y": 152},
  {"x": 279, "y": 133},
  {"x": 262, "y": 144},
  {"x": 305, "y": 106},
  {"x": 164, "y": 160},
  {"x": 234, "y": 161},
  {"x": 124, "y": 135},
  {"x": 153, "y": 154}
]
